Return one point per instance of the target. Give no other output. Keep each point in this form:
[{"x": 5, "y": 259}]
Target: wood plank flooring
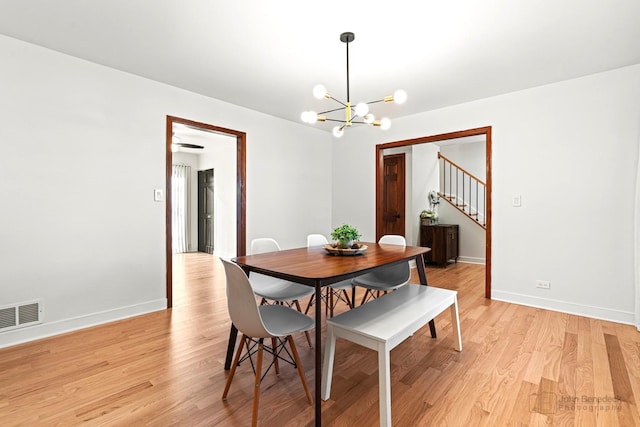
[{"x": 519, "y": 366}]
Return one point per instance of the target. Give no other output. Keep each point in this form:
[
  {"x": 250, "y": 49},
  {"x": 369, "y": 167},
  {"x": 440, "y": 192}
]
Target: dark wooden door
[
  {"x": 205, "y": 211},
  {"x": 393, "y": 196}
]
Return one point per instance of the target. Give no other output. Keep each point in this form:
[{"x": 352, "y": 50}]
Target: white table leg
[{"x": 327, "y": 363}]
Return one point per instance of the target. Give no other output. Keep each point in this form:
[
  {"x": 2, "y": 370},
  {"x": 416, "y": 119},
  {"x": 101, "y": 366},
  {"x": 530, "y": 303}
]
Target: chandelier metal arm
[
  {"x": 342, "y": 121},
  {"x": 334, "y": 110}
]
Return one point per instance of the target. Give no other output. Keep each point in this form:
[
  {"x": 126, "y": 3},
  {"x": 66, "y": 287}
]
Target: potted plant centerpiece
[{"x": 346, "y": 237}]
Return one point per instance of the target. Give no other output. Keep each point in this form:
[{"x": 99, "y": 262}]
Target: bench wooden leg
[
  {"x": 327, "y": 363},
  {"x": 384, "y": 384},
  {"x": 455, "y": 322}
]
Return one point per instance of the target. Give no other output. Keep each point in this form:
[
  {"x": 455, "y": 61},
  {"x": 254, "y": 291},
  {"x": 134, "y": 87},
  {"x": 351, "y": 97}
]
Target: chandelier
[{"x": 358, "y": 114}]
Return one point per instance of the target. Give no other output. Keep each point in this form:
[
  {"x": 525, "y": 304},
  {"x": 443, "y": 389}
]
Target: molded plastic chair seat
[
  {"x": 387, "y": 278},
  {"x": 274, "y": 322},
  {"x": 275, "y": 289},
  {"x": 272, "y": 288},
  {"x": 280, "y": 320}
]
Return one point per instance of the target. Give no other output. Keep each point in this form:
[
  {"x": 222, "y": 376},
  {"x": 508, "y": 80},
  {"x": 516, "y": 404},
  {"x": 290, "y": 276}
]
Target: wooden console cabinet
[{"x": 443, "y": 241}]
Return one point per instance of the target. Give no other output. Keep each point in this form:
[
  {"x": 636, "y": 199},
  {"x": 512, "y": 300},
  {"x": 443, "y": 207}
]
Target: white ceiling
[{"x": 267, "y": 55}]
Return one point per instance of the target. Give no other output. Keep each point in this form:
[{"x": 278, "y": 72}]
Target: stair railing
[{"x": 462, "y": 190}]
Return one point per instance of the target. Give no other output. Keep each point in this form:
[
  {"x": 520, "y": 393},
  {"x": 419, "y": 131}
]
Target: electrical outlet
[{"x": 543, "y": 284}]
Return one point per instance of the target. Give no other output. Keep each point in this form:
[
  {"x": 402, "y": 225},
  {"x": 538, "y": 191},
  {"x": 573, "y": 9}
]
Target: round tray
[{"x": 345, "y": 252}]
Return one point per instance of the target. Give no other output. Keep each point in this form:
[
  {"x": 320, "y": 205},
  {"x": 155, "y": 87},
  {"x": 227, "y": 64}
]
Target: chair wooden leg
[
  {"x": 233, "y": 367},
  {"x": 346, "y": 297},
  {"x": 296, "y": 359},
  {"x": 305, "y": 332},
  {"x": 274, "y": 346},
  {"x": 256, "y": 389},
  {"x": 364, "y": 297},
  {"x": 310, "y": 303}
]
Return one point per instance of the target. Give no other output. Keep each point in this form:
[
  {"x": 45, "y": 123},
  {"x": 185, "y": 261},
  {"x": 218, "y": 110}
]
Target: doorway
[
  {"x": 393, "y": 193},
  {"x": 483, "y": 131},
  {"x": 240, "y": 185}
]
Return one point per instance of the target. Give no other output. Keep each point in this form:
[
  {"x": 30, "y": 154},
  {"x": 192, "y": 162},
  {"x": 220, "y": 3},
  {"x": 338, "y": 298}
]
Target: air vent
[{"x": 20, "y": 315}]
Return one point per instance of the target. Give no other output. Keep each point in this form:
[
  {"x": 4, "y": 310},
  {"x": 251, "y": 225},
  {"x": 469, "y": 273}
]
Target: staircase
[{"x": 462, "y": 190}]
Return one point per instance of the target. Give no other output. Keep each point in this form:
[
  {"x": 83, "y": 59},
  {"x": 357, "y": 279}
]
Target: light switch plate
[
  {"x": 516, "y": 201},
  {"x": 157, "y": 194}
]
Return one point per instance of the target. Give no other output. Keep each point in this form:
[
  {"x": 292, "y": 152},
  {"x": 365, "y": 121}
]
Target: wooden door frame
[
  {"x": 241, "y": 199},
  {"x": 486, "y": 131}
]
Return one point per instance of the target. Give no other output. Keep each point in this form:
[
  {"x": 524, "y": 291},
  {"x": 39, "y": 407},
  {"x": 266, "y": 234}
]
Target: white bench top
[{"x": 396, "y": 315}]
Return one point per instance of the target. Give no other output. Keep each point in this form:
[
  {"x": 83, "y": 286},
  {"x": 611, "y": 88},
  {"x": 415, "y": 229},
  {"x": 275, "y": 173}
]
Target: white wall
[
  {"x": 79, "y": 226},
  {"x": 566, "y": 148},
  {"x": 222, "y": 159},
  {"x": 425, "y": 179},
  {"x": 471, "y": 156},
  {"x": 472, "y": 238}
]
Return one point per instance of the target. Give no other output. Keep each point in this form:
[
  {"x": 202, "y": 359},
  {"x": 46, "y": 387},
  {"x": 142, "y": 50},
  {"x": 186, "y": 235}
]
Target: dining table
[{"x": 319, "y": 267}]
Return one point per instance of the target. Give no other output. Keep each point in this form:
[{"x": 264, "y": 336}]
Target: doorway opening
[
  {"x": 393, "y": 190},
  {"x": 240, "y": 194},
  {"x": 484, "y": 132}
]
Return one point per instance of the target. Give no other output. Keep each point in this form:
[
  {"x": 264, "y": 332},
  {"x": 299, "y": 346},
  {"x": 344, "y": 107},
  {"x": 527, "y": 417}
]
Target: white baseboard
[
  {"x": 462, "y": 259},
  {"x": 601, "y": 313},
  {"x": 472, "y": 260},
  {"x": 44, "y": 330}
]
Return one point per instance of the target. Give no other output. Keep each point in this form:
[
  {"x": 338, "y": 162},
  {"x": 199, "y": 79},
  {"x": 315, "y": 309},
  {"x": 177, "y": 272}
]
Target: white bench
[{"x": 384, "y": 323}]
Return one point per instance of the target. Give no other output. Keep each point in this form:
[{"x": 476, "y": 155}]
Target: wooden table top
[{"x": 314, "y": 265}]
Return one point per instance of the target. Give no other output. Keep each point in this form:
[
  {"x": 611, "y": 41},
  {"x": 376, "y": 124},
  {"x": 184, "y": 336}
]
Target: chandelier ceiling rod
[{"x": 347, "y": 38}]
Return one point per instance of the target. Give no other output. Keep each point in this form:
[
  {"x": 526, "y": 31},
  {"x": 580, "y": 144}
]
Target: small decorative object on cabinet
[{"x": 443, "y": 241}]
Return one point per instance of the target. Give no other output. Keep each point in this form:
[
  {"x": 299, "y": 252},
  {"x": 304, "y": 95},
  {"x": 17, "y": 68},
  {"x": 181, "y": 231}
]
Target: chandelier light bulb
[
  {"x": 385, "y": 123},
  {"x": 319, "y": 91},
  {"x": 400, "y": 96},
  {"x": 362, "y": 109},
  {"x": 368, "y": 118},
  {"x": 338, "y": 131},
  {"x": 309, "y": 117}
]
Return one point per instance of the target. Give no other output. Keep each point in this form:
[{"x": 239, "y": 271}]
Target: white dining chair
[
  {"x": 387, "y": 278},
  {"x": 271, "y": 288},
  {"x": 336, "y": 292},
  {"x": 257, "y": 323},
  {"x": 274, "y": 290}
]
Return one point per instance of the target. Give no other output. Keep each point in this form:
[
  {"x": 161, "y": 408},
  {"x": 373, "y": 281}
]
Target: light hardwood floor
[{"x": 519, "y": 366}]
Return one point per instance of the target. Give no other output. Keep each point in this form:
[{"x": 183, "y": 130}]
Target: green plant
[
  {"x": 345, "y": 234},
  {"x": 429, "y": 214}
]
